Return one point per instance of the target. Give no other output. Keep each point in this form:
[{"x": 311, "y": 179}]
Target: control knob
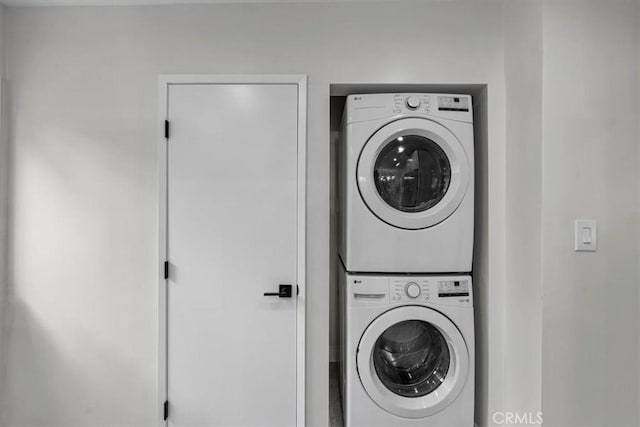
[
  {"x": 412, "y": 289},
  {"x": 413, "y": 102}
]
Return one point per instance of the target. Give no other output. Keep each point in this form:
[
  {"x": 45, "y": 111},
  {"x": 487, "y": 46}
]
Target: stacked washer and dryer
[{"x": 406, "y": 214}]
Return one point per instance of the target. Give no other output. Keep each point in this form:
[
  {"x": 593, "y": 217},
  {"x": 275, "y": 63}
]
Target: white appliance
[
  {"x": 407, "y": 350},
  {"x": 407, "y": 183}
]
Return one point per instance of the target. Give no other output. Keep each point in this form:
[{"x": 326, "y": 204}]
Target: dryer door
[
  {"x": 412, "y": 361},
  {"x": 413, "y": 173}
]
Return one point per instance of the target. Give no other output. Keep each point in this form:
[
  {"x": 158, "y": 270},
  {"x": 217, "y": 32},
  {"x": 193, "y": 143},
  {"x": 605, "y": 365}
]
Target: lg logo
[{"x": 517, "y": 418}]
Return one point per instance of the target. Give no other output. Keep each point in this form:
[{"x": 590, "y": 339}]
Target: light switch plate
[{"x": 585, "y": 235}]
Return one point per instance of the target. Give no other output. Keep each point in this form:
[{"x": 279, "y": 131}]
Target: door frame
[{"x": 164, "y": 81}]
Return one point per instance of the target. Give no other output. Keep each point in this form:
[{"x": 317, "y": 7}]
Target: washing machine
[
  {"x": 407, "y": 350},
  {"x": 406, "y": 183}
]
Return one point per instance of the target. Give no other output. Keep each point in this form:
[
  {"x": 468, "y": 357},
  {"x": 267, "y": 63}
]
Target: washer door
[
  {"x": 412, "y": 361},
  {"x": 413, "y": 173}
]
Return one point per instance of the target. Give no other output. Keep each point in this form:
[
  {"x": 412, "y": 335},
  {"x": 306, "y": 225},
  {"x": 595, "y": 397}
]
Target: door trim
[{"x": 164, "y": 81}]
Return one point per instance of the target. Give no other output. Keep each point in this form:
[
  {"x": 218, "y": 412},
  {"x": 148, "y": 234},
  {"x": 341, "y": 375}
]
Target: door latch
[{"x": 284, "y": 291}]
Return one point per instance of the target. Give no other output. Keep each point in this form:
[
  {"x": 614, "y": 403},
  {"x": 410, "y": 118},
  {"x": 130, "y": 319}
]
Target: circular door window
[
  {"x": 412, "y": 361},
  {"x": 413, "y": 173},
  {"x": 411, "y": 358}
]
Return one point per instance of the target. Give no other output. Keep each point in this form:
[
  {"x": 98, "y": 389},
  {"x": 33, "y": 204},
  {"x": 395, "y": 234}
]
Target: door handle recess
[{"x": 284, "y": 291}]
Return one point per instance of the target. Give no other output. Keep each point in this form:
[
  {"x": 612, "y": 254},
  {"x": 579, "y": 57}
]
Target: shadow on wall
[
  {"x": 71, "y": 350},
  {"x": 65, "y": 380},
  {"x": 482, "y": 292},
  {"x": 5, "y": 174}
]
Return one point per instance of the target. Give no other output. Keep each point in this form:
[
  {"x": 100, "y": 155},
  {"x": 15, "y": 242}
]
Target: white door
[{"x": 232, "y": 180}]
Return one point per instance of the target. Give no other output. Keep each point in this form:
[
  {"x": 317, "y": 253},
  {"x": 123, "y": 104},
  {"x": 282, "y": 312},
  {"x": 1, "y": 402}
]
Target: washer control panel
[
  {"x": 378, "y": 290},
  {"x": 453, "y": 288},
  {"x": 375, "y": 106},
  {"x": 436, "y": 290},
  {"x": 453, "y": 103},
  {"x": 404, "y": 103},
  {"x": 409, "y": 290}
]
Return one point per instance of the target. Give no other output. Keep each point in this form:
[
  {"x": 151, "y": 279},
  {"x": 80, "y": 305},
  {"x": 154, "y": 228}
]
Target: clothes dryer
[{"x": 406, "y": 183}]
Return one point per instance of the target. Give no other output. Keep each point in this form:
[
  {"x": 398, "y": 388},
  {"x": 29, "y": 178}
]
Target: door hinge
[
  {"x": 166, "y": 269},
  {"x": 166, "y": 129},
  {"x": 166, "y": 410},
  {"x": 297, "y": 290}
]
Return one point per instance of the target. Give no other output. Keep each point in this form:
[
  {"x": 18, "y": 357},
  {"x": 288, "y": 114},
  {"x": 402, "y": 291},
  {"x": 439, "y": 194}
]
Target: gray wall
[
  {"x": 590, "y": 170},
  {"x": 4, "y": 201},
  {"x": 523, "y": 287}
]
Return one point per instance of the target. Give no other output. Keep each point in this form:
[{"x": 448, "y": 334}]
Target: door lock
[{"x": 284, "y": 291}]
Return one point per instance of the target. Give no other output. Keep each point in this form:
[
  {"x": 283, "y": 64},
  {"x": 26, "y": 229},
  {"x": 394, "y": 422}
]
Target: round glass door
[
  {"x": 412, "y": 361},
  {"x": 411, "y": 358},
  {"x": 413, "y": 173}
]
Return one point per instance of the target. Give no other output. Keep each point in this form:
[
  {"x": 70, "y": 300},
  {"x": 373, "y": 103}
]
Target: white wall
[
  {"x": 83, "y": 104},
  {"x": 523, "y": 284},
  {"x": 590, "y": 170}
]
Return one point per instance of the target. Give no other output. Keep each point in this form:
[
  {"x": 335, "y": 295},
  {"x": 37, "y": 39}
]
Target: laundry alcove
[{"x": 482, "y": 292}]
